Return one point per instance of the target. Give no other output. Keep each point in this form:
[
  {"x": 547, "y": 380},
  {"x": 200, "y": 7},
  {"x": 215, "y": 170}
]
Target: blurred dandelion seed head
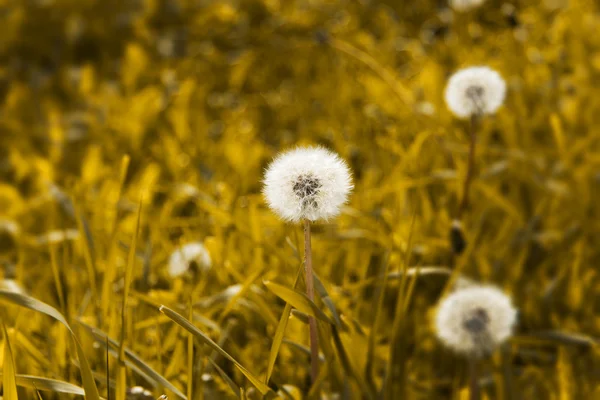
[
  {"x": 57, "y": 236},
  {"x": 307, "y": 183},
  {"x": 183, "y": 257},
  {"x": 139, "y": 393},
  {"x": 9, "y": 226},
  {"x": 475, "y": 320},
  {"x": 465, "y": 5},
  {"x": 475, "y": 91}
]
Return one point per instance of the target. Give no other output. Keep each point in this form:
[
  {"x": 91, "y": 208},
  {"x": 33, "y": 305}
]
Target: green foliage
[{"x": 182, "y": 103}]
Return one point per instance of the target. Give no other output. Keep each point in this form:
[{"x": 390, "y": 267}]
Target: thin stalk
[
  {"x": 464, "y": 203},
  {"x": 310, "y": 292},
  {"x": 474, "y": 392}
]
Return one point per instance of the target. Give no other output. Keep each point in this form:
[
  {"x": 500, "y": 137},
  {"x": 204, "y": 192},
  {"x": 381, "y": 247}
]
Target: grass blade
[
  {"x": 9, "y": 384},
  {"x": 87, "y": 243},
  {"x": 234, "y": 388},
  {"x": 277, "y": 340},
  {"x": 121, "y": 381},
  {"x": 187, "y": 325},
  {"x": 394, "y": 381},
  {"x": 327, "y": 300},
  {"x": 379, "y": 298},
  {"x": 132, "y": 360},
  {"x": 298, "y": 300},
  {"x": 347, "y": 365},
  {"x": 21, "y": 300},
  {"x": 280, "y": 332},
  {"x": 50, "y": 385}
]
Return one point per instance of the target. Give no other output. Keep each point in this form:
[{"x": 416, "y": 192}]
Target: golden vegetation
[{"x": 130, "y": 128}]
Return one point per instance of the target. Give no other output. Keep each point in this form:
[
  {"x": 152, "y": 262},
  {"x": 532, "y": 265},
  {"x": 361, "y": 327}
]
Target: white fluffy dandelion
[
  {"x": 139, "y": 393},
  {"x": 307, "y": 183},
  {"x": 183, "y": 257},
  {"x": 475, "y": 91},
  {"x": 465, "y": 5},
  {"x": 475, "y": 320}
]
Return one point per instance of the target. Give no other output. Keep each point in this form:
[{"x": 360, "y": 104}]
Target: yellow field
[{"x": 131, "y": 128}]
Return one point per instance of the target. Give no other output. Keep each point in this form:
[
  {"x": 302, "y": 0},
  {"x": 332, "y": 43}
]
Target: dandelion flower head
[
  {"x": 475, "y": 91},
  {"x": 139, "y": 393},
  {"x": 465, "y": 5},
  {"x": 186, "y": 256},
  {"x": 475, "y": 320},
  {"x": 307, "y": 183}
]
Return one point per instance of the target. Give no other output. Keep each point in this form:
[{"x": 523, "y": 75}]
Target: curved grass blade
[
  {"x": 210, "y": 324},
  {"x": 50, "y": 385},
  {"x": 277, "y": 340},
  {"x": 412, "y": 271},
  {"x": 234, "y": 388},
  {"x": 9, "y": 383},
  {"x": 298, "y": 300},
  {"x": 280, "y": 332},
  {"x": 187, "y": 325},
  {"x": 327, "y": 300},
  {"x": 132, "y": 360},
  {"x": 21, "y": 300}
]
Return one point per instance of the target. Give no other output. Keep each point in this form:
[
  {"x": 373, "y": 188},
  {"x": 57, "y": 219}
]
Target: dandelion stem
[
  {"x": 312, "y": 323},
  {"x": 474, "y": 393},
  {"x": 464, "y": 203}
]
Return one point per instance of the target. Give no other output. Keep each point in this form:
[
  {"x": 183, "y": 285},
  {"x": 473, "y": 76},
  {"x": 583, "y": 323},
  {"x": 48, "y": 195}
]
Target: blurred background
[{"x": 171, "y": 109}]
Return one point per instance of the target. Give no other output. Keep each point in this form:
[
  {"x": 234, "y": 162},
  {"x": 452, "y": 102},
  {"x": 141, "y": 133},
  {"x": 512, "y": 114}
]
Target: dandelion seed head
[
  {"x": 57, "y": 236},
  {"x": 185, "y": 256},
  {"x": 465, "y": 5},
  {"x": 475, "y": 320},
  {"x": 9, "y": 226},
  {"x": 307, "y": 183},
  {"x": 139, "y": 393},
  {"x": 475, "y": 91}
]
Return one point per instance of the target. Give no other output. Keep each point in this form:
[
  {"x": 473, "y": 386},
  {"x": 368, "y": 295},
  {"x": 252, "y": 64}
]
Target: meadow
[{"x": 135, "y": 133}]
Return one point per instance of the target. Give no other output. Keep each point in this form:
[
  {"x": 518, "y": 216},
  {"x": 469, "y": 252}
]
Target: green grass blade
[
  {"x": 91, "y": 391},
  {"x": 187, "y": 325},
  {"x": 298, "y": 300},
  {"x": 9, "y": 383}
]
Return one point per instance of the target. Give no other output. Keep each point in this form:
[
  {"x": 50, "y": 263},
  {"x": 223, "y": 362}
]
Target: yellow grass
[{"x": 170, "y": 110}]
